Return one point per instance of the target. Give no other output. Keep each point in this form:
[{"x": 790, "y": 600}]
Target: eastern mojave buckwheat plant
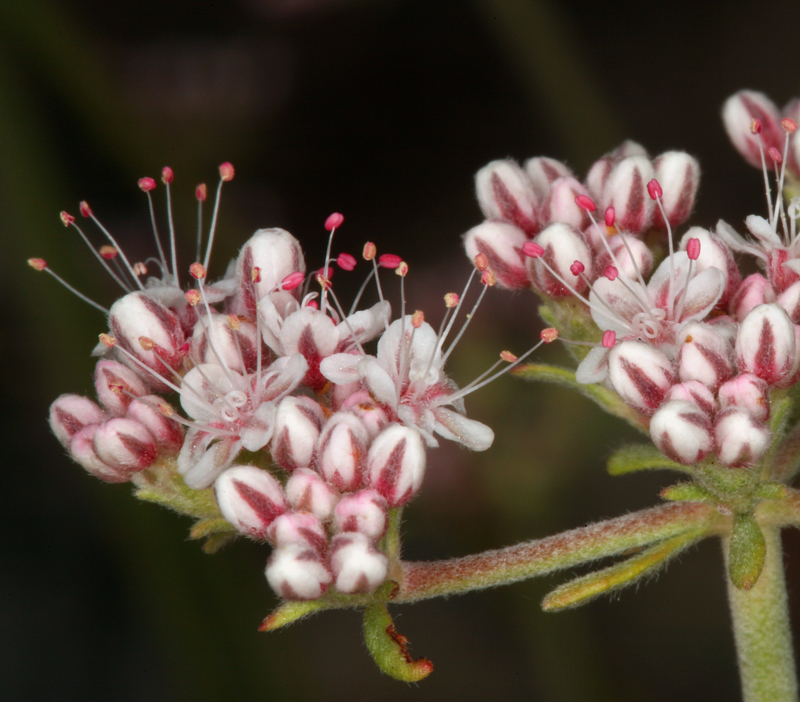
[{"x": 263, "y": 405}]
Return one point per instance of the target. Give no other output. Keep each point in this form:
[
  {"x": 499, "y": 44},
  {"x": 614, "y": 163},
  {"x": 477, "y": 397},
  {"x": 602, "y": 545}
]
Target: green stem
[{"x": 761, "y": 629}]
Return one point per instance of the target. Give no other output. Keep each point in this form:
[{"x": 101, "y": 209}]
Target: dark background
[{"x": 382, "y": 110}]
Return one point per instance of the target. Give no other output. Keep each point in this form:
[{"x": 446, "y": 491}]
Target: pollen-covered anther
[
  {"x": 346, "y": 261},
  {"x": 369, "y": 252},
  {"x": 146, "y": 343},
  {"x": 334, "y": 221},
  {"x": 549, "y": 335},
  {"x": 388, "y": 260},
  {"x": 109, "y": 252},
  {"x": 508, "y": 357},
  {"x": 193, "y": 297},
  {"x": 611, "y": 273},
  {"x": 166, "y": 409},
  {"x": 234, "y": 323},
  {"x": 66, "y": 218},
  {"x": 654, "y": 189},
  {"x": 481, "y": 262},
  {"x": 146, "y": 184},
  {"x": 417, "y": 319},
  {"x": 693, "y": 248},
  {"x": 402, "y": 269},
  {"x": 756, "y": 126},
  {"x": 167, "y": 175},
  {"x": 226, "y": 171},
  {"x": 323, "y": 282},
  {"x": 107, "y": 340},
  {"x": 451, "y": 300},
  {"x": 789, "y": 125},
  {"x": 488, "y": 278},
  {"x": 38, "y": 264},
  {"x": 201, "y": 192},
  {"x": 86, "y": 211},
  {"x": 139, "y": 268},
  {"x": 255, "y": 274},
  {"x": 197, "y": 271},
  {"x": 585, "y": 203},
  {"x": 293, "y": 280}
]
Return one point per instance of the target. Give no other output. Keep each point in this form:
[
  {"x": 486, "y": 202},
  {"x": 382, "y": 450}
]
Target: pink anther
[
  {"x": 789, "y": 125},
  {"x": 293, "y": 280},
  {"x": 201, "y": 192},
  {"x": 334, "y": 221},
  {"x": 480, "y": 262},
  {"x": 755, "y": 126},
  {"x": 508, "y": 356},
  {"x": 167, "y": 175},
  {"x": 585, "y": 203},
  {"x": 611, "y": 272},
  {"x": 197, "y": 271},
  {"x": 146, "y": 184},
  {"x": 369, "y": 252},
  {"x": 532, "y": 249},
  {"x": 38, "y": 264},
  {"x": 226, "y": 171},
  {"x": 549, "y": 335},
  {"x": 109, "y": 252},
  {"x": 654, "y": 189},
  {"x": 388, "y": 260},
  {"x": 693, "y": 249},
  {"x": 609, "y": 339},
  {"x": 774, "y": 154},
  {"x": 611, "y": 216},
  {"x": 346, "y": 261},
  {"x": 66, "y": 218},
  {"x": 86, "y": 211}
]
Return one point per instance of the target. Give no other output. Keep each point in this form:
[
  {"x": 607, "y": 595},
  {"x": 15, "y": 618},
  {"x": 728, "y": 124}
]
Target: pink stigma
[
  {"x": 654, "y": 189},
  {"x": 146, "y": 184},
  {"x": 66, "y": 218},
  {"x": 585, "y": 203},
  {"x": 201, "y": 193},
  {"x": 611, "y": 273},
  {"x": 755, "y": 126},
  {"x": 291, "y": 281},
  {"x": 577, "y": 268},
  {"x": 86, "y": 211},
  {"x": 693, "y": 249},
  {"x": 789, "y": 125},
  {"x": 226, "y": 171},
  {"x": 532, "y": 249},
  {"x": 774, "y": 154},
  {"x": 611, "y": 216},
  {"x": 346, "y": 262},
  {"x": 389, "y": 260},
  {"x": 609, "y": 339},
  {"x": 334, "y": 221},
  {"x": 167, "y": 175}
]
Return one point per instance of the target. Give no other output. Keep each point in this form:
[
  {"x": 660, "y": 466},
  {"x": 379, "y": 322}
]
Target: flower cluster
[
  {"x": 307, "y": 441},
  {"x": 693, "y": 347}
]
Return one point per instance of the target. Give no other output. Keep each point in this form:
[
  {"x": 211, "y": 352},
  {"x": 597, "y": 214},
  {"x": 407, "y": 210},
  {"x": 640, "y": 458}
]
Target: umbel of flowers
[{"x": 306, "y": 426}]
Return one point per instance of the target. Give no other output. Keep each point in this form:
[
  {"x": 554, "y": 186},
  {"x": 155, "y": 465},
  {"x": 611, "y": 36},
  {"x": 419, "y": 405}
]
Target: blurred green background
[{"x": 382, "y": 110}]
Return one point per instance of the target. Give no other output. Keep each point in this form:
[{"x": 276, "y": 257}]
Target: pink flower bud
[
  {"x": 250, "y": 499},
  {"x": 342, "y": 451},
  {"x": 543, "y": 171},
  {"x": 307, "y": 491},
  {"x": 501, "y": 243},
  {"x": 754, "y": 290},
  {"x": 137, "y": 317},
  {"x": 506, "y": 193},
  {"x": 116, "y": 386},
  {"x": 356, "y": 564},
  {"x": 714, "y": 252},
  {"x": 560, "y": 204},
  {"x": 738, "y": 113},
  {"x": 704, "y": 355},
  {"x": 765, "y": 344},
  {"x": 298, "y": 528},
  {"x": 780, "y": 275},
  {"x": 71, "y": 413},
  {"x": 789, "y": 299},
  {"x": 678, "y": 174},
  {"x": 297, "y": 426},
  {"x": 365, "y": 512},
  {"x": 740, "y": 438},
  {"x": 396, "y": 463},
  {"x": 125, "y": 444},
  {"x": 626, "y": 191},
  {"x": 693, "y": 391},
  {"x": 371, "y": 415},
  {"x": 748, "y": 392},
  {"x": 81, "y": 449},
  {"x": 153, "y": 413},
  {"x": 682, "y": 432},
  {"x": 562, "y": 245},
  {"x": 297, "y": 573},
  {"x": 216, "y": 340},
  {"x": 641, "y": 374}
]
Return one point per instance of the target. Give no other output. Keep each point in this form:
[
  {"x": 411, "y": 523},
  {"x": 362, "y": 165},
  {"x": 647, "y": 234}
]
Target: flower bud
[
  {"x": 218, "y": 340},
  {"x": 71, "y": 413},
  {"x": 373, "y": 417},
  {"x": 714, "y": 252},
  {"x": 81, "y": 449},
  {"x": 297, "y": 424},
  {"x": 125, "y": 444},
  {"x": 562, "y": 245},
  {"x": 298, "y": 528},
  {"x": 559, "y": 205},
  {"x": 136, "y": 316},
  {"x": 679, "y": 177},
  {"x": 641, "y": 374},
  {"x": 693, "y": 391},
  {"x": 505, "y": 192},
  {"x": 365, "y": 512},
  {"x": 543, "y": 171},
  {"x": 297, "y": 573},
  {"x": 738, "y": 114},
  {"x": 748, "y": 392},
  {"x": 356, "y": 564},
  {"x": 116, "y": 386},
  {"x": 307, "y": 491},
  {"x": 754, "y": 290},
  {"x": 765, "y": 344},
  {"x": 633, "y": 256},
  {"x": 626, "y": 191},
  {"x": 782, "y": 276},
  {"x": 789, "y": 299},
  {"x": 682, "y": 432},
  {"x": 150, "y": 412},
  {"x": 501, "y": 243},
  {"x": 396, "y": 463},
  {"x": 741, "y": 439},
  {"x": 704, "y": 355},
  {"x": 250, "y": 499},
  {"x": 342, "y": 451}
]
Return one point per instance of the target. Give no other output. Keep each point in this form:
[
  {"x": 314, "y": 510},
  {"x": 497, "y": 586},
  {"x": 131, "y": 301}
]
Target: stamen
[
  {"x": 68, "y": 220},
  {"x": 146, "y": 185},
  {"x": 167, "y": 177},
  {"x": 201, "y": 193},
  {"x": 39, "y": 264},
  {"x": 226, "y": 174}
]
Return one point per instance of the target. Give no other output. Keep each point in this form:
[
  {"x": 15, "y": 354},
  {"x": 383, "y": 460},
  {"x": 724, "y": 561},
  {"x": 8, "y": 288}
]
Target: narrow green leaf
[
  {"x": 216, "y": 541},
  {"x": 686, "y": 492},
  {"x": 207, "y": 527},
  {"x": 619, "y": 575},
  {"x": 641, "y": 457},
  {"x": 389, "y": 648},
  {"x": 772, "y": 491},
  {"x": 290, "y": 612},
  {"x": 747, "y": 553}
]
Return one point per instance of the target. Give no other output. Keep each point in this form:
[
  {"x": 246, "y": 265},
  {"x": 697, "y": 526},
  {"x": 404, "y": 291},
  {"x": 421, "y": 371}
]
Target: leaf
[
  {"x": 687, "y": 492},
  {"x": 608, "y": 400},
  {"x": 389, "y": 648},
  {"x": 641, "y": 457},
  {"x": 208, "y": 527},
  {"x": 619, "y": 575},
  {"x": 747, "y": 551},
  {"x": 290, "y": 612}
]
